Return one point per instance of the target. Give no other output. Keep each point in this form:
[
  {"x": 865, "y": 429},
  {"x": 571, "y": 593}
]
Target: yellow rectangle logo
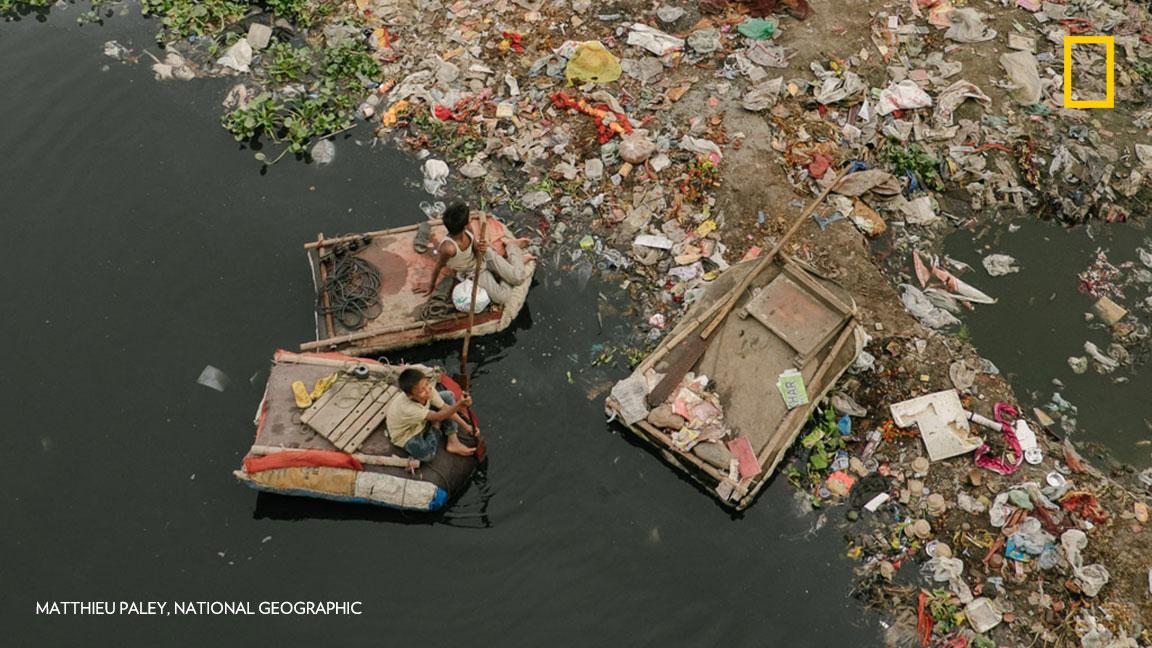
[{"x": 1109, "y": 43}]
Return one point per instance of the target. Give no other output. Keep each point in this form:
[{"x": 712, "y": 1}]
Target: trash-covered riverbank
[{"x": 657, "y": 144}]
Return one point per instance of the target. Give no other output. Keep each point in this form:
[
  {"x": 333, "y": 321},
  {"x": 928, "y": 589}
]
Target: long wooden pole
[
  {"x": 691, "y": 352},
  {"x": 372, "y": 460},
  {"x": 324, "y": 286},
  {"x": 768, "y": 258},
  {"x": 466, "y": 382},
  {"x": 360, "y": 335},
  {"x": 357, "y": 237}
]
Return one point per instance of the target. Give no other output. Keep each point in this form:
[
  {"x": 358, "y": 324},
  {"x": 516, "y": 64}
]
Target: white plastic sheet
[
  {"x": 905, "y": 95},
  {"x": 653, "y": 39}
]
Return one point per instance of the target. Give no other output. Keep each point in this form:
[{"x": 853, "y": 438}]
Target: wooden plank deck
[
  {"x": 367, "y": 404},
  {"x": 336, "y": 418}
]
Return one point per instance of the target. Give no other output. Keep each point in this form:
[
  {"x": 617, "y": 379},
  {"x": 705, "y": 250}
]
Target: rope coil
[{"x": 352, "y": 286}]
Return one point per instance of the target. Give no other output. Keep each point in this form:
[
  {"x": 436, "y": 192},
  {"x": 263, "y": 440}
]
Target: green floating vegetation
[
  {"x": 13, "y": 8},
  {"x": 1143, "y": 69},
  {"x": 302, "y": 13},
  {"x": 16, "y": 6},
  {"x": 208, "y": 17},
  {"x": 821, "y": 444},
  {"x": 310, "y": 92},
  {"x": 284, "y": 63},
  {"x": 198, "y": 18},
  {"x": 457, "y": 141},
  {"x": 337, "y": 79}
]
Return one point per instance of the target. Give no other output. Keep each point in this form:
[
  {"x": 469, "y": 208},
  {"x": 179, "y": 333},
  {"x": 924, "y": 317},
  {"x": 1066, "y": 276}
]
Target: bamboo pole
[
  {"x": 709, "y": 469},
  {"x": 359, "y": 335},
  {"x": 686, "y": 329},
  {"x": 324, "y": 286},
  {"x": 345, "y": 365},
  {"x": 371, "y": 460},
  {"x": 466, "y": 382},
  {"x": 768, "y": 258},
  {"x": 356, "y": 237},
  {"x": 693, "y": 351}
]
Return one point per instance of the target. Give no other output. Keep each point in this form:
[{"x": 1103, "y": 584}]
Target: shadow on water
[{"x": 629, "y": 437}]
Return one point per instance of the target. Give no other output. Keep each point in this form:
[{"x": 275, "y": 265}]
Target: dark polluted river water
[
  {"x": 142, "y": 245},
  {"x": 1039, "y": 322}
]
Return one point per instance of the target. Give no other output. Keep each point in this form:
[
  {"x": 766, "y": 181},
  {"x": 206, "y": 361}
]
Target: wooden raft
[{"x": 350, "y": 411}]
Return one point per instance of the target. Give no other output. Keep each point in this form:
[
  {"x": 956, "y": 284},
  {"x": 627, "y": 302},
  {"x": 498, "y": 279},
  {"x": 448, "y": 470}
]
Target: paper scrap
[
  {"x": 631, "y": 398},
  {"x": 875, "y": 502}
]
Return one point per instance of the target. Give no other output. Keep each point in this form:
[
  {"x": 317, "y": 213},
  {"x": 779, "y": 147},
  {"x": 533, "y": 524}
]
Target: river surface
[
  {"x": 143, "y": 244},
  {"x": 1039, "y": 322}
]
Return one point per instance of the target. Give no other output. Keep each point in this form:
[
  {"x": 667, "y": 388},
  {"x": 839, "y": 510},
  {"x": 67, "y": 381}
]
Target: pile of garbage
[
  {"x": 1129, "y": 282},
  {"x": 693, "y": 418},
  {"x": 575, "y": 132},
  {"x": 979, "y": 525}
]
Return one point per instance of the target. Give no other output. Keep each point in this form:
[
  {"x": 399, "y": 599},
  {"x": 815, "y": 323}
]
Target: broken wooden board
[
  {"x": 366, "y": 407},
  {"x": 795, "y": 314}
]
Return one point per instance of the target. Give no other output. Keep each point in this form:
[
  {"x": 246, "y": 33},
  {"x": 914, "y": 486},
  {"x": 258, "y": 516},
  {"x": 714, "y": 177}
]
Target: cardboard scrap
[
  {"x": 791, "y": 386},
  {"x": 942, "y": 421},
  {"x": 742, "y": 451}
]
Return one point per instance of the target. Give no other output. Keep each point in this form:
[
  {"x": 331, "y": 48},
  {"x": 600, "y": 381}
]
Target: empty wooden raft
[{"x": 350, "y": 411}]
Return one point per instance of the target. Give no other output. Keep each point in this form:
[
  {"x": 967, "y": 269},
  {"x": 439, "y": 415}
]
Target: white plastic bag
[
  {"x": 435, "y": 176},
  {"x": 462, "y": 297}
]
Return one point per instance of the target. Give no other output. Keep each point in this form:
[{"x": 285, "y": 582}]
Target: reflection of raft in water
[
  {"x": 400, "y": 319},
  {"x": 735, "y": 426},
  {"x": 338, "y": 448}
]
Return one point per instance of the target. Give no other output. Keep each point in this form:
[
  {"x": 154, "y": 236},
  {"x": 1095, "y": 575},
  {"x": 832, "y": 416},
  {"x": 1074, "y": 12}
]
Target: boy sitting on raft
[
  {"x": 497, "y": 275},
  {"x": 416, "y": 427}
]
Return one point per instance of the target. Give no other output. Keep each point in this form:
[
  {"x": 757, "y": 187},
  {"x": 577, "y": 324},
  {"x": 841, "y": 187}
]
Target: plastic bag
[
  {"x": 238, "y": 57},
  {"x": 462, "y": 297},
  {"x": 213, "y": 378},
  {"x": 1024, "y": 73},
  {"x": 592, "y": 62},
  {"x": 323, "y": 152},
  {"x": 435, "y": 176},
  {"x": 968, "y": 27},
  {"x": 905, "y": 95},
  {"x": 654, "y": 40},
  {"x": 757, "y": 28},
  {"x": 635, "y": 148},
  {"x": 998, "y": 265}
]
